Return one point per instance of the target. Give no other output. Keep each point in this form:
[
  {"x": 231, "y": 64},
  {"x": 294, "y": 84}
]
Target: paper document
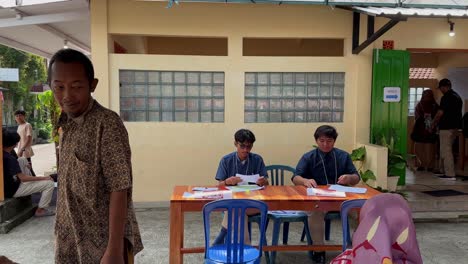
[
  {"x": 322, "y": 192},
  {"x": 245, "y": 188},
  {"x": 205, "y": 189},
  {"x": 209, "y": 195},
  {"x": 246, "y": 179},
  {"x": 342, "y": 188}
]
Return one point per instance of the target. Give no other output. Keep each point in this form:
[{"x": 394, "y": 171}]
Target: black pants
[{"x": 30, "y": 164}]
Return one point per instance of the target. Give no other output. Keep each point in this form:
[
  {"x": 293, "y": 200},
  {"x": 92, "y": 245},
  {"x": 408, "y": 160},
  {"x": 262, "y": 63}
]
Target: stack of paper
[
  {"x": 226, "y": 194},
  {"x": 246, "y": 179},
  {"x": 322, "y": 192}
]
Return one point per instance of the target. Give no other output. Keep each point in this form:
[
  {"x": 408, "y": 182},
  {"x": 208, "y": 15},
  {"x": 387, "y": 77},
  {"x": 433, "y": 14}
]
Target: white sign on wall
[
  {"x": 9, "y": 74},
  {"x": 392, "y": 94}
]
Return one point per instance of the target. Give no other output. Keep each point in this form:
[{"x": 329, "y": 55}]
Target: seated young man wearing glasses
[{"x": 241, "y": 162}]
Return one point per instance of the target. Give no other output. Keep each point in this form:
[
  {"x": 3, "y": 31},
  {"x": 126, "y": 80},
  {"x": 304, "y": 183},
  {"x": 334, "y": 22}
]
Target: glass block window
[
  {"x": 272, "y": 97},
  {"x": 171, "y": 96},
  {"x": 414, "y": 97}
]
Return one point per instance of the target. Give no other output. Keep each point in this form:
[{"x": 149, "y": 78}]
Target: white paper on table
[
  {"x": 245, "y": 188},
  {"x": 342, "y": 188},
  {"x": 205, "y": 189},
  {"x": 224, "y": 194},
  {"x": 322, "y": 192},
  {"x": 246, "y": 179}
]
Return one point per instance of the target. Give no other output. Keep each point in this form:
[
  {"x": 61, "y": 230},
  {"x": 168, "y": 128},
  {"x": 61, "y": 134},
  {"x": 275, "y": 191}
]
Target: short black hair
[
  {"x": 445, "y": 83},
  {"x": 10, "y": 138},
  {"x": 20, "y": 112},
  {"x": 244, "y": 135},
  {"x": 326, "y": 131},
  {"x": 71, "y": 56}
]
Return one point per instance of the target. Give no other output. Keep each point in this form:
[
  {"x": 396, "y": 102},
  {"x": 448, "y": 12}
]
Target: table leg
[{"x": 176, "y": 234}]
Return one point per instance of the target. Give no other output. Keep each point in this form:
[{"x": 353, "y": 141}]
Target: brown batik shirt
[{"x": 95, "y": 160}]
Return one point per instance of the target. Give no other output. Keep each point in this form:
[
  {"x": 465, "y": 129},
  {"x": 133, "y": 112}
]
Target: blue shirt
[
  {"x": 322, "y": 166},
  {"x": 11, "y": 168},
  {"x": 230, "y": 165}
]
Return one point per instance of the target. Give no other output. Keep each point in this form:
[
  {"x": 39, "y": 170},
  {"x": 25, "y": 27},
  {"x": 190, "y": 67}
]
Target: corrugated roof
[
  {"x": 422, "y": 73},
  {"x": 414, "y": 12}
]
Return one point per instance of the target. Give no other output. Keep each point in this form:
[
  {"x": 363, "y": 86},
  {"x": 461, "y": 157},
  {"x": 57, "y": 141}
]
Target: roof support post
[
  {"x": 356, "y": 27},
  {"x": 372, "y": 37},
  {"x": 370, "y": 26}
]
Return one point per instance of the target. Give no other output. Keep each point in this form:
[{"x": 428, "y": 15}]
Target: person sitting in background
[
  {"x": 18, "y": 184},
  {"x": 423, "y": 136},
  {"x": 241, "y": 162},
  {"x": 322, "y": 166},
  {"x": 385, "y": 235},
  {"x": 25, "y": 166}
]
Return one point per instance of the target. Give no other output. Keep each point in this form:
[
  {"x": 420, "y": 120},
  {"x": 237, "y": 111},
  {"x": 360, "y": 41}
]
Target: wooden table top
[{"x": 275, "y": 193}]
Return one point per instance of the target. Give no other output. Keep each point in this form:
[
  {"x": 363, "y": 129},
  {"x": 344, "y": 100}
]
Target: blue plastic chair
[
  {"x": 276, "y": 177},
  {"x": 345, "y": 207},
  {"x": 234, "y": 250}
]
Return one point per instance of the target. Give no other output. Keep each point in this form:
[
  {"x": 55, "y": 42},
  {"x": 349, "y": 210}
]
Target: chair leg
[
  {"x": 303, "y": 234},
  {"x": 274, "y": 241},
  {"x": 348, "y": 235},
  {"x": 249, "y": 228},
  {"x": 306, "y": 232},
  {"x": 327, "y": 229},
  {"x": 267, "y": 254},
  {"x": 285, "y": 232}
]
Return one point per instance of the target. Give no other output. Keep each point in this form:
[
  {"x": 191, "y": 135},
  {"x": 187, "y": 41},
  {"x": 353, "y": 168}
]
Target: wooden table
[{"x": 277, "y": 198}]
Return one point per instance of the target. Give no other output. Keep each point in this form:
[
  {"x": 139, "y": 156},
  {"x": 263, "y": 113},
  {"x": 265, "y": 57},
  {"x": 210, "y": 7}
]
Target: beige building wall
[{"x": 169, "y": 154}]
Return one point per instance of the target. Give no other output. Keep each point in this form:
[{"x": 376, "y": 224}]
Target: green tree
[{"x": 32, "y": 70}]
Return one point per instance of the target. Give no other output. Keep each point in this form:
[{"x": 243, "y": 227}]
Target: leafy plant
[
  {"x": 359, "y": 155},
  {"x": 46, "y": 102},
  {"x": 396, "y": 161},
  {"x": 32, "y": 70}
]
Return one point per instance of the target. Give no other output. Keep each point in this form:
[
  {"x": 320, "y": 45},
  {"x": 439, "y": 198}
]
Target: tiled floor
[{"x": 427, "y": 181}]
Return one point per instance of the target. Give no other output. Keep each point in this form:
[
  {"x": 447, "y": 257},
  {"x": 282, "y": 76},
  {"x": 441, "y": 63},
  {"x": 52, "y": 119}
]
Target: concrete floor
[
  {"x": 440, "y": 243},
  {"x": 33, "y": 242}
]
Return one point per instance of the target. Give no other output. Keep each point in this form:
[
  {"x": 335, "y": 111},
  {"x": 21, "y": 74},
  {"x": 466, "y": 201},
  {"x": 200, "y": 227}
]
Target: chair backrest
[
  {"x": 345, "y": 207},
  {"x": 236, "y": 215},
  {"x": 276, "y": 173}
]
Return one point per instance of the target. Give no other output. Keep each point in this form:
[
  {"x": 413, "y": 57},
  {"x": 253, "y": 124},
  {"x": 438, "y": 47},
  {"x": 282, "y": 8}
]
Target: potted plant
[
  {"x": 395, "y": 161},
  {"x": 359, "y": 156}
]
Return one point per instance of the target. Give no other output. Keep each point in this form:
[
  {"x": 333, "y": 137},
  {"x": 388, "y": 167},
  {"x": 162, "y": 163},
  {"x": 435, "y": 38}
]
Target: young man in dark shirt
[
  {"x": 323, "y": 166},
  {"x": 448, "y": 119},
  {"x": 17, "y": 184}
]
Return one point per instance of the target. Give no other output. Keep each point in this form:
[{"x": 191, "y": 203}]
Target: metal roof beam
[
  {"x": 64, "y": 36},
  {"x": 22, "y": 20},
  {"x": 71, "y": 40},
  {"x": 24, "y": 47}
]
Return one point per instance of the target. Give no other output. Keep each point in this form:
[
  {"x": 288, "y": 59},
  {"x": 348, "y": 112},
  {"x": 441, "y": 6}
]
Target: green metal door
[{"x": 388, "y": 114}]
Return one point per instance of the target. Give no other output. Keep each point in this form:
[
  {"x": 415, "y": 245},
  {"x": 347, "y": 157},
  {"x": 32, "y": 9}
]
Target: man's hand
[
  {"x": 309, "y": 183},
  {"x": 112, "y": 257},
  {"x": 262, "y": 181},
  {"x": 233, "y": 180},
  {"x": 47, "y": 178},
  {"x": 347, "y": 179}
]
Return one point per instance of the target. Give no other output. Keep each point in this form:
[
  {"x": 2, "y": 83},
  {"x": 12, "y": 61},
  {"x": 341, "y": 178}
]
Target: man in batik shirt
[{"x": 95, "y": 218}]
